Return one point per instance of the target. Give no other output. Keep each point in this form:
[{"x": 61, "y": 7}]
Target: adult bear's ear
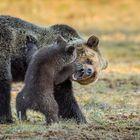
[
  {"x": 70, "y": 49},
  {"x": 60, "y": 40},
  {"x": 92, "y": 42}
]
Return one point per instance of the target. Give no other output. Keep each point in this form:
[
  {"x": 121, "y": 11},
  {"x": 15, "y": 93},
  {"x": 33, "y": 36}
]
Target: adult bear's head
[
  {"x": 90, "y": 57},
  {"x": 89, "y": 54}
]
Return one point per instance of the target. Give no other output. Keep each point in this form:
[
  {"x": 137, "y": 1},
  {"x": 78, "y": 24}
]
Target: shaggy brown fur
[
  {"x": 45, "y": 65},
  {"x": 15, "y": 55}
]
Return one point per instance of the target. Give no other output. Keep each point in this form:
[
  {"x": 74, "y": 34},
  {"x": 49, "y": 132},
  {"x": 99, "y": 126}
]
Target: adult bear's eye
[{"x": 88, "y": 61}]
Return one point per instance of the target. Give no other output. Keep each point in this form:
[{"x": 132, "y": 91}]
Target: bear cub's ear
[
  {"x": 92, "y": 42},
  {"x": 60, "y": 40},
  {"x": 70, "y": 49}
]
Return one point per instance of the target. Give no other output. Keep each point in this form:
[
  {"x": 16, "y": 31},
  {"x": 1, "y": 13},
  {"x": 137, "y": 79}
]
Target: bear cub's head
[{"x": 65, "y": 53}]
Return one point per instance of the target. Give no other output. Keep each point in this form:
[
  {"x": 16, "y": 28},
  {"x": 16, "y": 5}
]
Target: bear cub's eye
[{"x": 88, "y": 61}]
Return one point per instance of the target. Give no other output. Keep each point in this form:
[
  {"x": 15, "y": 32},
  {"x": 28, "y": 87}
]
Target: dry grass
[
  {"x": 82, "y": 14},
  {"x": 112, "y": 105}
]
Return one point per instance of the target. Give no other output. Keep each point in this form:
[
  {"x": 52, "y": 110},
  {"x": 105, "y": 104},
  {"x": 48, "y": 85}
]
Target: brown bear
[
  {"x": 41, "y": 76},
  {"x": 15, "y": 56}
]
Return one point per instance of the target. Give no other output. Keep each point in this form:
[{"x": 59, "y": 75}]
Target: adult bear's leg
[
  {"x": 5, "y": 74},
  {"x": 5, "y": 87},
  {"x": 68, "y": 107}
]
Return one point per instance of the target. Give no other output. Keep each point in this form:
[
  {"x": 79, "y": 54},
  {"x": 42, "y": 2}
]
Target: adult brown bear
[{"x": 15, "y": 55}]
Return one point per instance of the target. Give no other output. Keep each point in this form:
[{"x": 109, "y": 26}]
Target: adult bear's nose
[{"x": 89, "y": 71}]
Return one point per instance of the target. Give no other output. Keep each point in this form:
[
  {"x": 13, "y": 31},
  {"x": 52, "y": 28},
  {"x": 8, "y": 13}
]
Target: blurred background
[
  {"x": 115, "y": 98},
  {"x": 116, "y": 23}
]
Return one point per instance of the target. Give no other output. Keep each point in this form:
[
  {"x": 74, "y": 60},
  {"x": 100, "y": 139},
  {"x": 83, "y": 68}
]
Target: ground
[{"x": 112, "y": 105}]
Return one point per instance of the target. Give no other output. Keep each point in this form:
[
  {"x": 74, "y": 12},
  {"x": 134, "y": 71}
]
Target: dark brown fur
[
  {"x": 42, "y": 75},
  {"x": 16, "y": 50}
]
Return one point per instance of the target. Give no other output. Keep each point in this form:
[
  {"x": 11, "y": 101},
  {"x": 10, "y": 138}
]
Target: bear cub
[{"x": 48, "y": 67}]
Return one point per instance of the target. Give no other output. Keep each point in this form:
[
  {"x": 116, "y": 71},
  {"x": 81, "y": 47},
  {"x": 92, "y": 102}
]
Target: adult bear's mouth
[
  {"x": 78, "y": 75},
  {"x": 82, "y": 76}
]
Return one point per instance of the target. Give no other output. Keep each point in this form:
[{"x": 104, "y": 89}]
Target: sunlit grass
[
  {"x": 111, "y": 106},
  {"x": 92, "y": 14}
]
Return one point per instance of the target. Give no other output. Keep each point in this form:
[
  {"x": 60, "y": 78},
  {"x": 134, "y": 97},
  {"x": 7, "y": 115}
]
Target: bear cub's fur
[{"x": 42, "y": 74}]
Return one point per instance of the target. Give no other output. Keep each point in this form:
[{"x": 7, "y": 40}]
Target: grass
[{"x": 112, "y": 105}]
